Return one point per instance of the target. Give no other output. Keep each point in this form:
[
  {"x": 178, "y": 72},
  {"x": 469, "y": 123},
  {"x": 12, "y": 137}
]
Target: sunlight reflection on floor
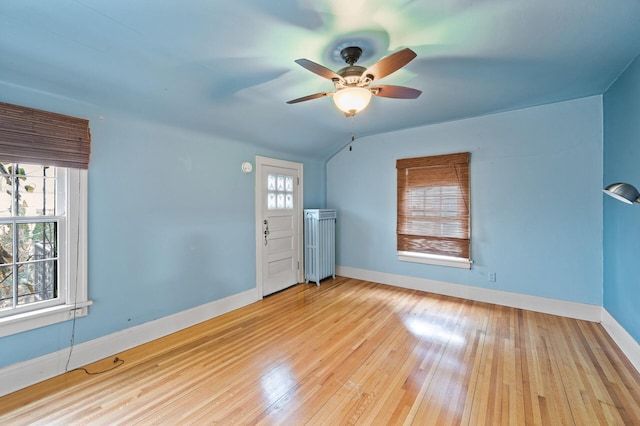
[
  {"x": 277, "y": 382},
  {"x": 421, "y": 328}
]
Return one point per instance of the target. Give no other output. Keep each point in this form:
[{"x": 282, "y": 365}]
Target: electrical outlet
[{"x": 492, "y": 277}]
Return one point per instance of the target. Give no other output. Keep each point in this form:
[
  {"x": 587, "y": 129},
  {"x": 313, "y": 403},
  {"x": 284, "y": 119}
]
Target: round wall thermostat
[{"x": 247, "y": 167}]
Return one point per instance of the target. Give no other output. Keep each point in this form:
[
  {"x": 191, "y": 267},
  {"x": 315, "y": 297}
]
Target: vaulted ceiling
[{"x": 227, "y": 67}]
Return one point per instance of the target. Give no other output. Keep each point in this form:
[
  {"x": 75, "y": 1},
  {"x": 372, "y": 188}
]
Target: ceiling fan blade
[
  {"x": 310, "y": 97},
  {"x": 322, "y": 71},
  {"x": 390, "y": 64},
  {"x": 398, "y": 92}
]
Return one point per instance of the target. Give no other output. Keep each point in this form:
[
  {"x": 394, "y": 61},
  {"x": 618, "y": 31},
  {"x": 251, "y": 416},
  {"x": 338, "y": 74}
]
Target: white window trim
[
  {"x": 74, "y": 300},
  {"x": 434, "y": 259}
]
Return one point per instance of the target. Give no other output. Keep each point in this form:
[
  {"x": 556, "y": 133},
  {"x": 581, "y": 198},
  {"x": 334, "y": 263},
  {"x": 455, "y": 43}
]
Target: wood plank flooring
[{"x": 353, "y": 352}]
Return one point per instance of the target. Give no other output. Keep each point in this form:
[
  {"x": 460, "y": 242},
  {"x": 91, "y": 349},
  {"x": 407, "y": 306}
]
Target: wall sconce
[{"x": 624, "y": 192}]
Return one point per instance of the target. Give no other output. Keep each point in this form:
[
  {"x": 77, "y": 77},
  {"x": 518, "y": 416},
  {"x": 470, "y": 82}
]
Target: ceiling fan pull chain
[{"x": 353, "y": 137}]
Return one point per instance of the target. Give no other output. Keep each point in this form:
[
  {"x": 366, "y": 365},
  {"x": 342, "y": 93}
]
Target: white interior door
[{"x": 278, "y": 224}]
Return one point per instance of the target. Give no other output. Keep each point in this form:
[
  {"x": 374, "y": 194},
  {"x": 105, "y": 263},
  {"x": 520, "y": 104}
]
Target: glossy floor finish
[{"x": 353, "y": 352}]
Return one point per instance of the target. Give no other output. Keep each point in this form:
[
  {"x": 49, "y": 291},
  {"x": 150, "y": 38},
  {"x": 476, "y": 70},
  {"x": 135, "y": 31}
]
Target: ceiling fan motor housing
[{"x": 351, "y": 74}]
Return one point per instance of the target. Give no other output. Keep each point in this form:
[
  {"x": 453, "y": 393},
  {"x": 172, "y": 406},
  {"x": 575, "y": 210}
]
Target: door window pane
[{"x": 280, "y": 192}]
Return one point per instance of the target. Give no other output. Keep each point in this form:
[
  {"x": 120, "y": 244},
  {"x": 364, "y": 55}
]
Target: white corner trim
[
  {"x": 544, "y": 305},
  {"x": 26, "y": 373},
  {"x": 623, "y": 339}
]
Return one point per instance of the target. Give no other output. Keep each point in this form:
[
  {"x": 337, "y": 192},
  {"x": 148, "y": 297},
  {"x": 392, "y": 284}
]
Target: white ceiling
[{"x": 227, "y": 67}]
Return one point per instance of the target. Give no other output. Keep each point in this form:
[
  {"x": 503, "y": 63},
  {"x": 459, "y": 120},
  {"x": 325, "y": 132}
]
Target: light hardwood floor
[{"x": 353, "y": 352}]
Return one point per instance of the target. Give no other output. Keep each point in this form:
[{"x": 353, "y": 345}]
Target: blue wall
[
  {"x": 171, "y": 224},
  {"x": 536, "y": 201},
  {"x": 622, "y": 221},
  {"x": 171, "y": 214}
]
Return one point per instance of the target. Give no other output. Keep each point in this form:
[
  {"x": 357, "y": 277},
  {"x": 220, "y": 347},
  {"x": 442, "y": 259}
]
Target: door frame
[{"x": 259, "y": 193}]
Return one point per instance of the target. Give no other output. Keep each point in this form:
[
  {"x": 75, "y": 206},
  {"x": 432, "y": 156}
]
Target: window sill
[
  {"x": 35, "y": 319},
  {"x": 432, "y": 259}
]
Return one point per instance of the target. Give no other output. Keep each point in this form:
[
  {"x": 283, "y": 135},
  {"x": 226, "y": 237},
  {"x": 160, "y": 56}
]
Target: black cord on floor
[{"x": 117, "y": 361}]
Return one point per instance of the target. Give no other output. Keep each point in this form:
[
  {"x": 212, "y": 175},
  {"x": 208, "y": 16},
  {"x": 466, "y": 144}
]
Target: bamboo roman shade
[
  {"x": 433, "y": 205},
  {"x": 32, "y": 136}
]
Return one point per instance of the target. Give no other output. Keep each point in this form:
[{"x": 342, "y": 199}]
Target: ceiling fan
[{"x": 353, "y": 82}]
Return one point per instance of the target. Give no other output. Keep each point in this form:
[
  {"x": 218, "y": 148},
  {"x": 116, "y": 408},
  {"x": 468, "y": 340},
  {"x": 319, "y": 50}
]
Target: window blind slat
[
  {"x": 435, "y": 160},
  {"x": 33, "y": 136},
  {"x": 433, "y": 245}
]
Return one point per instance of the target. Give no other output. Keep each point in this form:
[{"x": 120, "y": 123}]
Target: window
[
  {"x": 30, "y": 217},
  {"x": 42, "y": 246},
  {"x": 43, "y": 218},
  {"x": 279, "y": 192},
  {"x": 433, "y": 223}
]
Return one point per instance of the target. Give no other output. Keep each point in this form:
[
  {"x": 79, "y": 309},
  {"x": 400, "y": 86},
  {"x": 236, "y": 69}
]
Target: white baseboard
[
  {"x": 545, "y": 305},
  {"x": 623, "y": 339},
  {"x": 23, "y": 374}
]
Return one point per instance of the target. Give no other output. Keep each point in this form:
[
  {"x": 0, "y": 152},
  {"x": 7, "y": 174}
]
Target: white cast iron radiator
[{"x": 319, "y": 244}]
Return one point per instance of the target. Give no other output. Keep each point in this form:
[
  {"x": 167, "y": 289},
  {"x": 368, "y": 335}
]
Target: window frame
[
  {"x": 402, "y": 166},
  {"x": 73, "y": 298}
]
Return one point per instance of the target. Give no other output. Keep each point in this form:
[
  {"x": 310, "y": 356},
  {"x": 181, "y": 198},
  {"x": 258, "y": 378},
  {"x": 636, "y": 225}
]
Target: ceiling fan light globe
[{"x": 352, "y": 100}]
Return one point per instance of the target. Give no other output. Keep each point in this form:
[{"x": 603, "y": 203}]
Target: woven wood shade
[
  {"x": 29, "y": 135},
  {"x": 433, "y": 205}
]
